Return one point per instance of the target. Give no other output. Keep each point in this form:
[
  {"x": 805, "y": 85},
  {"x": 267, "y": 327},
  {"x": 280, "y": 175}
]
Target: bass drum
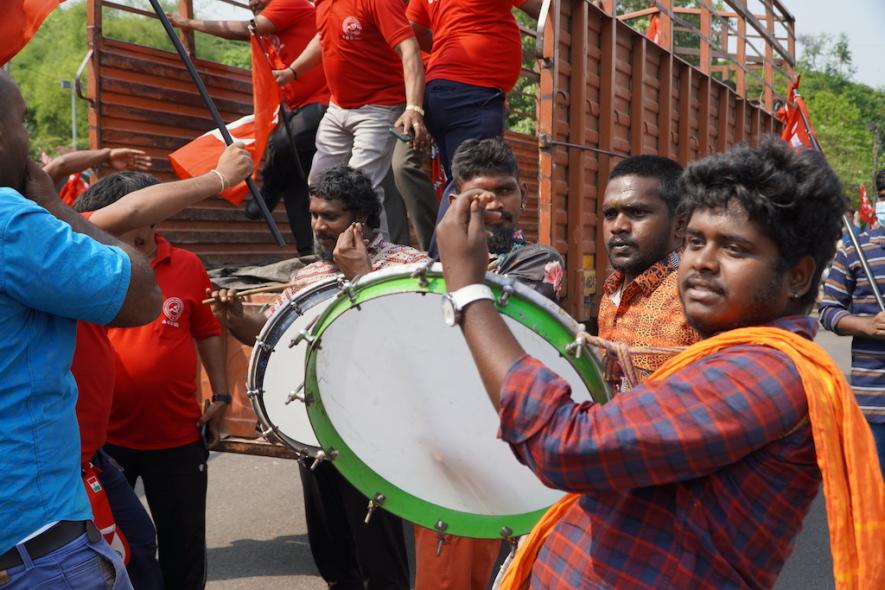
[{"x": 276, "y": 369}]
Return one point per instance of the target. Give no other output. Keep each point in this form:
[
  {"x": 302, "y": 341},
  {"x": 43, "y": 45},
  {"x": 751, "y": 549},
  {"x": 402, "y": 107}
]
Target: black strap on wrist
[{"x": 221, "y": 397}]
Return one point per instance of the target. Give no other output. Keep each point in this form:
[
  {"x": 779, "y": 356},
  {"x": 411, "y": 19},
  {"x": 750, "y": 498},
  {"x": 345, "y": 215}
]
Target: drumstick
[{"x": 265, "y": 289}]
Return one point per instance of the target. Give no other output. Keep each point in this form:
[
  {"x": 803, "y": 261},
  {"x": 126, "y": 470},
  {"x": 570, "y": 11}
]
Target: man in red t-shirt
[
  {"x": 475, "y": 59},
  {"x": 94, "y": 359},
  {"x": 155, "y": 423},
  {"x": 373, "y": 66},
  {"x": 288, "y": 26}
]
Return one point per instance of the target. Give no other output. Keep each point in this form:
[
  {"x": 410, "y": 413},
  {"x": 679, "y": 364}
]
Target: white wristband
[
  {"x": 221, "y": 177},
  {"x": 416, "y": 108}
]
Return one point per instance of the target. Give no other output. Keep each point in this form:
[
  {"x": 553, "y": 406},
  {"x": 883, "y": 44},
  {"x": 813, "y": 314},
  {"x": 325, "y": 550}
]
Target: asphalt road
[{"x": 257, "y": 537}]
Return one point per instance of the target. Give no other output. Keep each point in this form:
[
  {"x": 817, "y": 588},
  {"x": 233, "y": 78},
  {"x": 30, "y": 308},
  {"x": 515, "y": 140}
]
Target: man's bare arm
[
  {"x": 863, "y": 326},
  {"x": 158, "y": 202},
  {"x": 226, "y": 29},
  {"x": 117, "y": 158},
  {"x": 311, "y": 57}
]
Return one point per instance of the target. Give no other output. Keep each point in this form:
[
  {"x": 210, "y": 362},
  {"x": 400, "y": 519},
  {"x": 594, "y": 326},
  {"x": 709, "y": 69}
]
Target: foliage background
[{"x": 843, "y": 111}]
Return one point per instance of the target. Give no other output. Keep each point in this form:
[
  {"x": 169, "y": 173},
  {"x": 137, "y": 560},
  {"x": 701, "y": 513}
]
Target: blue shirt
[
  {"x": 847, "y": 291},
  {"x": 50, "y": 277}
]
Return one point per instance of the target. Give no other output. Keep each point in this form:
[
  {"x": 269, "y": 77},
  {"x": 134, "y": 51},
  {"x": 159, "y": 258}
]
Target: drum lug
[
  {"x": 303, "y": 334},
  {"x": 440, "y": 527},
  {"x": 506, "y": 532},
  {"x": 253, "y": 393},
  {"x": 298, "y": 394},
  {"x": 296, "y": 307},
  {"x": 577, "y": 346},
  {"x": 347, "y": 288},
  {"x": 263, "y": 345},
  {"x": 506, "y": 291},
  {"x": 376, "y": 501},
  {"x": 420, "y": 273},
  {"x": 323, "y": 456}
]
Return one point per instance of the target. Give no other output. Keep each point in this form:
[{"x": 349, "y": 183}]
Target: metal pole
[
  {"x": 216, "y": 117},
  {"x": 73, "y": 116},
  {"x": 849, "y": 227}
]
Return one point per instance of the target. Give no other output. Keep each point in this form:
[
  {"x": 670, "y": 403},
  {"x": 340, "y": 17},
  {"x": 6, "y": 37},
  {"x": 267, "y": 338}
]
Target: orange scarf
[{"x": 852, "y": 479}]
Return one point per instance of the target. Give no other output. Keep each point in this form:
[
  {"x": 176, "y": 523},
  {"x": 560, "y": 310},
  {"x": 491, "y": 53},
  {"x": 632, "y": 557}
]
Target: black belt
[{"x": 55, "y": 537}]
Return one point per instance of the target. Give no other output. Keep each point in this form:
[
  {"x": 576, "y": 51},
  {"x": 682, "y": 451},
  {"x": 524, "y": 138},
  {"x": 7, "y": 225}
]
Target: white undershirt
[{"x": 41, "y": 530}]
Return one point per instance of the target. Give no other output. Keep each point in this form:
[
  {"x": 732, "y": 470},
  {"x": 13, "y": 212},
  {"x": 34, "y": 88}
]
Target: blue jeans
[
  {"x": 82, "y": 564},
  {"x": 878, "y": 430},
  {"x": 134, "y": 522},
  {"x": 456, "y": 112}
]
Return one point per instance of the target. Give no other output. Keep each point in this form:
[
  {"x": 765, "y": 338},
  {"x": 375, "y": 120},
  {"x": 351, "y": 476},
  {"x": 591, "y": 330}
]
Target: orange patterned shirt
[{"x": 649, "y": 313}]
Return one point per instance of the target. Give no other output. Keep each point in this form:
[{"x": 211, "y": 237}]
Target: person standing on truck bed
[
  {"x": 290, "y": 25},
  {"x": 375, "y": 74},
  {"x": 475, "y": 59}
]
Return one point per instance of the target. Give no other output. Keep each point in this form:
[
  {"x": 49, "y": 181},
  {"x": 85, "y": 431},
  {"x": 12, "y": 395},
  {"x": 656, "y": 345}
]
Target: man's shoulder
[{"x": 12, "y": 201}]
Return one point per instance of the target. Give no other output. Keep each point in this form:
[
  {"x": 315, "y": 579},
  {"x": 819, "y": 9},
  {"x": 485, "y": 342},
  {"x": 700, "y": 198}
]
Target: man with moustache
[
  {"x": 701, "y": 476},
  {"x": 640, "y": 303},
  {"x": 349, "y": 553}
]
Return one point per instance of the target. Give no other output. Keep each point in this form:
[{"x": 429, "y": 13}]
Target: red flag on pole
[
  {"x": 797, "y": 123},
  {"x": 654, "y": 29},
  {"x": 21, "y": 19},
  {"x": 200, "y": 156},
  {"x": 867, "y": 213}
]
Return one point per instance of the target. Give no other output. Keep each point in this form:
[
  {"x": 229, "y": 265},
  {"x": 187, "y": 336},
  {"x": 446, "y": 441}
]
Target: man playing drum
[
  {"x": 487, "y": 167},
  {"x": 701, "y": 476},
  {"x": 640, "y": 303},
  {"x": 345, "y": 214}
]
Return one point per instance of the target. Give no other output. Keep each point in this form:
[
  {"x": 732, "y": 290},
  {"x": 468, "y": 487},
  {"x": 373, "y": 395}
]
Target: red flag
[
  {"x": 867, "y": 213},
  {"x": 73, "y": 187},
  {"x": 654, "y": 31},
  {"x": 200, "y": 156},
  {"x": 21, "y": 19},
  {"x": 797, "y": 123}
]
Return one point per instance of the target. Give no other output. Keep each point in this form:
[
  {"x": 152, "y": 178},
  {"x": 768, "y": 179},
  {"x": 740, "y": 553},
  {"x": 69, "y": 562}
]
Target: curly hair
[
  {"x": 476, "y": 157},
  {"x": 665, "y": 170},
  {"x": 880, "y": 180},
  {"x": 351, "y": 187},
  {"x": 791, "y": 195},
  {"x": 111, "y": 189}
]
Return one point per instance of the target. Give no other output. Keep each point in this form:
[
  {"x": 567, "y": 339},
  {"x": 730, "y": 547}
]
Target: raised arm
[
  {"x": 237, "y": 30},
  {"x": 116, "y": 158},
  {"x": 160, "y": 201}
]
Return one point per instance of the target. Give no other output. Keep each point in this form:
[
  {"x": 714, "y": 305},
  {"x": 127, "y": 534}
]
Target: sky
[{"x": 862, "y": 20}]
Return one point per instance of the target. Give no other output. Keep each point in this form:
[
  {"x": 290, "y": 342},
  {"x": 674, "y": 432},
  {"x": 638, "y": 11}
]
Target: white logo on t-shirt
[
  {"x": 351, "y": 28},
  {"x": 172, "y": 310}
]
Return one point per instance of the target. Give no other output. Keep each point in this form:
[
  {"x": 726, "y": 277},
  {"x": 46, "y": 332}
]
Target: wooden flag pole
[{"x": 216, "y": 117}]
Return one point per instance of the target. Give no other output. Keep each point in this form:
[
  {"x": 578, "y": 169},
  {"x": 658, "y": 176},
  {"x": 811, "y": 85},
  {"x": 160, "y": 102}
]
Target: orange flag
[
  {"x": 654, "y": 29},
  {"x": 200, "y": 156},
  {"x": 797, "y": 123},
  {"x": 21, "y": 19},
  {"x": 867, "y": 213}
]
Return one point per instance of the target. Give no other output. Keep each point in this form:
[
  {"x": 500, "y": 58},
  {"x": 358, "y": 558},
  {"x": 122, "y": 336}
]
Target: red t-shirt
[
  {"x": 474, "y": 42},
  {"x": 358, "y": 38},
  {"x": 295, "y": 23},
  {"x": 93, "y": 370},
  {"x": 155, "y": 404}
]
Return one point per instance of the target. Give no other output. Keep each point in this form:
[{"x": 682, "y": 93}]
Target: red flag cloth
[
  {"x": 654, "y": 31},
  {"x": 102, "y": 515},
  {"x": 867, "y": 213},
  {"x": 288, "y": 92},
  {"x": 73, "y": 187},
  {"x": 798, "y": 131},
  {"x": 21, "y": 19},
  {"x": 200, "y": 156}
]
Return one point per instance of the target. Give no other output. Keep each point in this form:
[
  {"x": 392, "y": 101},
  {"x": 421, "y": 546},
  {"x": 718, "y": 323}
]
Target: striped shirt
[
  {"x": 697, "y": 481},
  {"x": 847, "y": 292}
]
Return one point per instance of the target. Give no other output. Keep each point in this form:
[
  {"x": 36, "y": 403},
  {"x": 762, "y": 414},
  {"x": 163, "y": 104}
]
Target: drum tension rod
[
  {"x": 376, "y": 501},
  {"x": 579, "y": 344},
  {"x": 263, "y": 345},
  {"x": 298, "y": 395},
  {"x": 440, "y": 527},
  {"x": 253, "y": 393},
  {"x": 303, "y": 334},
  {"x": 506, "y": 291},
  {"x": 323, "y": 456},
  {"x": 420, "y": 273}
]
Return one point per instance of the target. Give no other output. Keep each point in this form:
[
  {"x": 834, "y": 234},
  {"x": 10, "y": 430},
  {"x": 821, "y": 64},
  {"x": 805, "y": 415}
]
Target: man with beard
[
  {"x": 640, "y": 304},
  {"x": 701, "y": 476},
  {"x": 487, "y": 168},
  {"x": 346, "y": 215}
]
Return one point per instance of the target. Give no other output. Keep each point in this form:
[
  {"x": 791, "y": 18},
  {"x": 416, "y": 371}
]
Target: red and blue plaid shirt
[{"x": 698, "y": 481}]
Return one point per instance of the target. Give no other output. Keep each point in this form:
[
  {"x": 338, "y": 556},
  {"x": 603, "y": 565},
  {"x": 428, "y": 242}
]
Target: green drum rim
[{"x": 396, "y": 500}]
